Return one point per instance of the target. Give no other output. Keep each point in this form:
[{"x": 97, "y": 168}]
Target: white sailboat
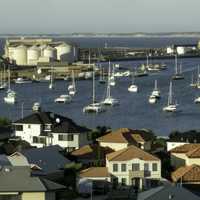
[
  {"x": 3, "y": 83},
  {"x": 102, "y": 75},
  {"x": 178, "y": 71},
  {"x": 94, "y": 107},
  {"x": 133, "y": 87},
  {"x": 109, "y": 100},
  {"x": 72, "y": 87},
  {"x": 112, "y": 77},
  {"x": 10, "y": 98},
  {"x": 171, "y": 107},
  {"x": 51, "y": 84},
  {"x": 152, "y": 99},
  {"x": 198, "y": 78},
  {"x": 64, "y": 98},
  {"x": 156, "y": 91}
]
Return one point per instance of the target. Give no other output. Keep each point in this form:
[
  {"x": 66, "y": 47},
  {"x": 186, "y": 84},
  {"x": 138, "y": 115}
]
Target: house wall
[
  {"x": 171, "y": 145},
  {"x": 64, "y": 144},
  {"x": 191, "y": 161},
  {"x": 114, "y": 146},
  {"x": 33, "y": 196},
  {"x": 178, "y": 159},
  {"x": 28, "y": 133},
  {"x": 119, "y": 174}
]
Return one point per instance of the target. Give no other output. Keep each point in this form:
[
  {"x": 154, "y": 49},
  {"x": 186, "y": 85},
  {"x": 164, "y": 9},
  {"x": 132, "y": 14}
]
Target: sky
[{"x": 98, "y": 16}]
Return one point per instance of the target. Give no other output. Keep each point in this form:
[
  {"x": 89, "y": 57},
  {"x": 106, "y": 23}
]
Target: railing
[{"x": 139, "y": 174}]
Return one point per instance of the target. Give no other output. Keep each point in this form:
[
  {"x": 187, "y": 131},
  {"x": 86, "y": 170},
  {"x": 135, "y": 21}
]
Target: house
[
  {"x": 91, "y": 154},
  {"x": 167, "y": 192},
  {"x": 46, "y": 161},
  {"x": 95, "y": 173},
  {"x": 178, "y": 138},
  {"x": 133, "y": 166},
  {"x": 187, "y": 175},
  {"x": 129, "y": 166},
  {"x": 47, "y": 128},
  {"x": 17, "y": 183},
  {"x": 123, "y": 137},
  {"x": 185, "y": 155}
]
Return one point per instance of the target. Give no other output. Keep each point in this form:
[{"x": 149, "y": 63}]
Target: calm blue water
[{"x": 134, "y": 110}]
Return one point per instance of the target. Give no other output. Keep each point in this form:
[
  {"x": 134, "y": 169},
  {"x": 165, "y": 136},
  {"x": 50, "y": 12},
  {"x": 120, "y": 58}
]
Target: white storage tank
[
  {"x": 64, "y": 52},
  {"x": 49, "y": 52},
  {"x": 33, "y": 54},
  {"x": 20, "y": 55}
]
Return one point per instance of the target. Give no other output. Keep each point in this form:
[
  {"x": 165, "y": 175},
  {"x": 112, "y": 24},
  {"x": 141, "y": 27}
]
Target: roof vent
[
  {"x": 57, "y": 120},
  {"x": 171, "y": 196}
]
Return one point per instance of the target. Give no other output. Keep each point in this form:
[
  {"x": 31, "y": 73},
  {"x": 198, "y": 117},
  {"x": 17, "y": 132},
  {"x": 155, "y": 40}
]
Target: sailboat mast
[
  {"x": 147, "y": 60},
  {"x": 198, "y": 82},
  {"x": 93, "y": 87},
  {"x": 176, "y": 65},
  {"x": 9, "y": 79},
  {"x": 155, "y": 86},
  {"x": 108, "y": 87},
  {"x": 170, "y": 94}
]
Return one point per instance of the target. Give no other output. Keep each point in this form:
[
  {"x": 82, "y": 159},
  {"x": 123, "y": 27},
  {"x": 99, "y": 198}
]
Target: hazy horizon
[{"x": 98, "y": 16}]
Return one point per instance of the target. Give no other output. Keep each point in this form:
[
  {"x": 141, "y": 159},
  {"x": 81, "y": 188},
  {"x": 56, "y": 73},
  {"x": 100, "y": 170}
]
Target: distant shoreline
[{"x": 121, "y": 35}]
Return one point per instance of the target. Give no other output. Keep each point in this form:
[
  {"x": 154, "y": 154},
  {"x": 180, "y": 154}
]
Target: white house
[
  {"x": 47, "y": 128},
  {"x": 129, "y": 166}
]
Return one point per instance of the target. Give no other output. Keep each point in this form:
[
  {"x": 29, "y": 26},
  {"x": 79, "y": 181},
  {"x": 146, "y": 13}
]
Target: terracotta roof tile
[
  {"x": 91, "y": 151},
  {"x": 191, "y": 150},
  {"x": 129, "y": 153},
  {"x": 125, "y": 135},
  {"x": 95, "y": 172},
  {"x": 187, "y": 174}
]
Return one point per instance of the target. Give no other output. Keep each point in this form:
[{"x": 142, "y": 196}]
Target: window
[
  {"x": 29, "y": 126},
  {"x": 135, "y": 167},
  {"x": 123, "y": 167},
  {"x": 115, "y": 167},
  {"x": 47, "y": 127},
  {"x": 19, "y": 127},
  {"x": 123, "y": 181},
  {"x": 154, "y": 167},
  {"x": 41, "y": 140},
  {"x": 146, "y": 166},
  {"x": 69, "y": 137}
]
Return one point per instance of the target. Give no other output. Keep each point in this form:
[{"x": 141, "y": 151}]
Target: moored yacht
[
  {"x": 94, "y": 107},
  {"x": 21, "y": 80},
  {"x": 152, "y": 99},
  {"x": 133, "y": 87},
  {"x": 171, "y": 107},
  {"x": 109, "y": 100},
  {"x": 156, "y": 91},
  {"x": 64, "y": 98},
  {"x": 178, "y": 71}
]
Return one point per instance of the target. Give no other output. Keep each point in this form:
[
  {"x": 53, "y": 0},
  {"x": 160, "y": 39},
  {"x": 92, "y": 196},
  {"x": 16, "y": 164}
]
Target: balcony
[{"x": 139, "y": 174}]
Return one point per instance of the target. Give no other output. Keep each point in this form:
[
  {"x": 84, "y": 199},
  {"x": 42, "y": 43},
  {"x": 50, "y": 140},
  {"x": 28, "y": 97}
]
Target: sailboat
[
  {"x": 10, "y": 98},
  {"x": 51, "y": 84},
  {"x": 112, "y": 77},
  {"x": 156, "y": 91},
  {"x": 72, "y": 87},
  {"x": 109, "y": 100},
  {"x": 3, "y": 83},
  {"x": 133, "y": 87},
  {"x": 171, "y": 107},
  {"x": 102, "y": 77},
  {"x": 193, "y": 84},
  {"x": 94, "y": 107},
  {"x": 178, "y": 71}
]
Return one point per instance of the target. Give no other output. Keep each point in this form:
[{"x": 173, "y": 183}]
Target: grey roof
[
  {"x": 60, "y": 124},
  {"x": 49, "y": 159},
  {"x": 167, "y": 192},
  {"x": 4, "y": 160},
  {"x": 19, "y": 179}
]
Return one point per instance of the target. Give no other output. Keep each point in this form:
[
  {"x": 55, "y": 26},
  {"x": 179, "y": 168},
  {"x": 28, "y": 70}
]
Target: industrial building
[{"x": 26, "y": 51}]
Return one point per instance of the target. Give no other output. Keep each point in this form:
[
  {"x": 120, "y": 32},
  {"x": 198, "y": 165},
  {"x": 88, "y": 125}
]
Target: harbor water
[{"x": 134, "y": 110}]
